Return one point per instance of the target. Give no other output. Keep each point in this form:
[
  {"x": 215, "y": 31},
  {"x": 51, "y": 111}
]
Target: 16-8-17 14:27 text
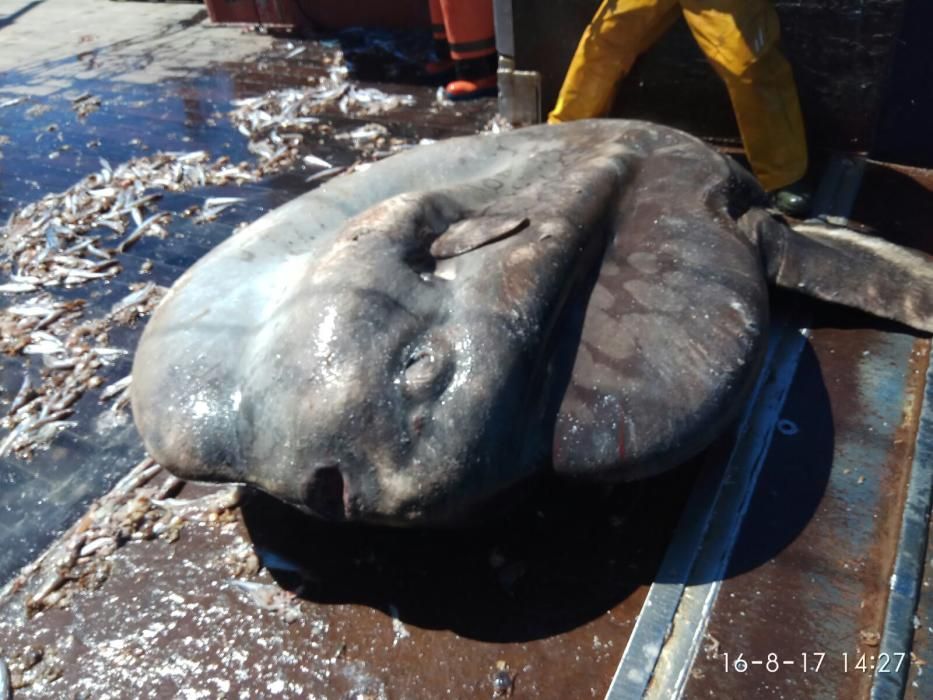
[{"x": 813, "y": 662}]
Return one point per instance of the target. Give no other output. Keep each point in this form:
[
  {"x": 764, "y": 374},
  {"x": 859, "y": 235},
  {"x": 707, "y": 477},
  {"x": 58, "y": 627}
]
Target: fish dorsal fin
[{"x": 470, "y": 234}]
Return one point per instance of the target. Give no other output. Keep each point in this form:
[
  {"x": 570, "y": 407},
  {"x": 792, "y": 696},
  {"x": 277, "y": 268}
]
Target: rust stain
[
  {"x": 820, "y": 587},
  {"x": 895, "y": 477}
]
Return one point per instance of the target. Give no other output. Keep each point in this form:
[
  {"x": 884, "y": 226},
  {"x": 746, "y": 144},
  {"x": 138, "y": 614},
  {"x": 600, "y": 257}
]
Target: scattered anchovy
[
  {"x": 85, "y": 104},
  {"x": 25, "y": 392},
  {"x": 109, "y": 352},
  {"x": 93, "y": 250},
  {"x": 55, "y": 581},
  {"x": 263, "y": 594},
  {"x": 325, "y": 174},
  {"x": 133, "y": 298},
  {"x": 45, "y": 432},
  {"x": 14, "y": 435},
  {"x": 44, "y": 347},
  {"x": 67, "y": 363},
  {"x": 58, "y": 240},
  {"x": 105, "y": 543},
  {"x": 269, "y": 596},
  {"x": 220, "y": 500},
  {"x": 495, "y": 125},
  {"x": 275, "y": 122},
  {"x": 17, "y": 287},
  {"x": 77, "y": 275},
  {"x": 139, "y": 475},
  {"x": 116, "y": 387},
  {"x": 213, "y": 206},
  {"x": 296, "y": 52},
  {"x": 12, "y": 101},
  {"x": 315, "y": 162},
  {"x": 35, "y": 310},
  {"x": 138, "y": 232},
  {"x": 214, "y": 202},
  {"x": 121, "y": 402},
  {"x": 367, "y": 132}
]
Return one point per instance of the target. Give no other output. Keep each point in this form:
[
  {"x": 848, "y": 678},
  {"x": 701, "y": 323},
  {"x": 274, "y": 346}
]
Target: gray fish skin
[
  {"x": 403, "y": 344},
  {"x": 839, "y": 265},
  {"x": 324, "y": 356}
]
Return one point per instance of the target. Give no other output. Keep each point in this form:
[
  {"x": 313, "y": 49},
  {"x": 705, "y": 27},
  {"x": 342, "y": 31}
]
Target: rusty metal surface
[
  {"x": 901, "y": 203},
  {"x": 897, "y": 201},
  {"x": 901, "y": 619},
  {"x": 547, "y": 596},
  {"x": 811, "y": 572}
]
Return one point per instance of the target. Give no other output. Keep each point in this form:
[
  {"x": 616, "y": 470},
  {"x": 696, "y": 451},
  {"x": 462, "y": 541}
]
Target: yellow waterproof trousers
[{"x": 740, "y": 39}]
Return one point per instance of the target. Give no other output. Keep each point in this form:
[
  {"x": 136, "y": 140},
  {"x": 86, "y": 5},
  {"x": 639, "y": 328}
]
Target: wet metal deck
[{"x": 243, "y": 598}]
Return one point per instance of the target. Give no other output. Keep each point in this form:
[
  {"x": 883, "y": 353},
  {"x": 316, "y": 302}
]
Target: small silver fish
[
  {"x": 115, "y": 388},
  {"x": 314, "y": 161},
  {"x": 325, "y": 174},
  {"x": 133, "y": 298},
  {"x": 138, "y": 232}
]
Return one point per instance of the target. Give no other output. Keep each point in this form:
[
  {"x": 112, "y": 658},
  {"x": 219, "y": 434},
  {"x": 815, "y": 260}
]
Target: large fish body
[{"x": 403, "y": 344}]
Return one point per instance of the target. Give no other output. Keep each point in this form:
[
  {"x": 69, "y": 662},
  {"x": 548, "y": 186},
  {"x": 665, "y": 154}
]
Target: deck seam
[{"x": 897, "y": 634}]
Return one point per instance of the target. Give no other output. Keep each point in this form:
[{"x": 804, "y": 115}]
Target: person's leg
[
  {"x": 471, "y": 34},
  {"x": 618, "y": 33},
  {"x": 444, "y": 65},
  {"x": 740, "y": 38}
]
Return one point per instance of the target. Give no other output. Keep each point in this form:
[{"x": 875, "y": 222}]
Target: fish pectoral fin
[
  {"x": 846, "y": 267},
  {"x": 470, "y": 234}
]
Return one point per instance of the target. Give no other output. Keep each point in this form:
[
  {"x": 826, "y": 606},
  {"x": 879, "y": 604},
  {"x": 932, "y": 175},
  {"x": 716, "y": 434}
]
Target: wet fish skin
[{"x": 575, "y": 252}]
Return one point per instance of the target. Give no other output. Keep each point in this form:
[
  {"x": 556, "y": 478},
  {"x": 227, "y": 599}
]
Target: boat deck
[{"x": 123, "y": 582}]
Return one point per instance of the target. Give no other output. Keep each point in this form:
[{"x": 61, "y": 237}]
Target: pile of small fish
[
  {"x": 70, "y": 238},
  {"x": 74, "y": 236},
  {"x": 275, "y": 123},
  {"x": 73, "y": 352}
]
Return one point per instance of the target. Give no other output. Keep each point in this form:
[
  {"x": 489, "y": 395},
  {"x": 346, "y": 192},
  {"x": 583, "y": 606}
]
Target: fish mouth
[{"x": 325, "y": 493}]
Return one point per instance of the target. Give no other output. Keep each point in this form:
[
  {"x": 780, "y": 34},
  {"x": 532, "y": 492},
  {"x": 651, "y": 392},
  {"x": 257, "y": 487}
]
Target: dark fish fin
[
  {"x": 470, "y": 234},
  {"x": 837, "y": 264}
]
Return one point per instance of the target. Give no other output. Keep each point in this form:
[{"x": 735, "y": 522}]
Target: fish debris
[{"x": 77, "y": 237}]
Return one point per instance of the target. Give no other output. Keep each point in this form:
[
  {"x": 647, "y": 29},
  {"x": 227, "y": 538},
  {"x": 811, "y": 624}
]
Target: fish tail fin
[{"x": 839, "y": 265}]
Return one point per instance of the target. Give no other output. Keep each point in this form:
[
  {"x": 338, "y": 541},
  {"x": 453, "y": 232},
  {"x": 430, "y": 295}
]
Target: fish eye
[{"x": 426, "y": 371}]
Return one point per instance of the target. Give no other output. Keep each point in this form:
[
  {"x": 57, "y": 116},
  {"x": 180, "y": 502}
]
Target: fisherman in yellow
[{"x": 740, "y": 39}]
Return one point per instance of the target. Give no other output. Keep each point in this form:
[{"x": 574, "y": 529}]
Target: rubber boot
[
  {"x": 469, "y": 29},
  {"x": 476, "y": 78}
]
